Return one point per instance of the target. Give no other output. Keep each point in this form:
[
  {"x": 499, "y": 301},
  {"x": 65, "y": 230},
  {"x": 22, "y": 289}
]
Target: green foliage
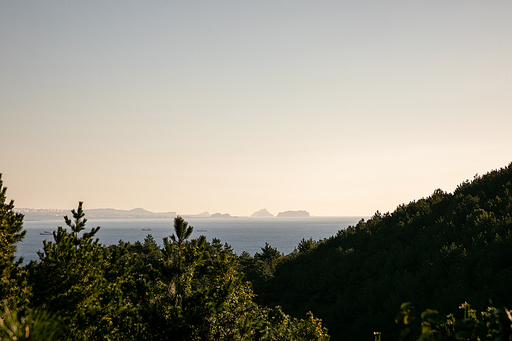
[
  {"x": 436, "y": 251},
  {"x": 266, "y": 261},
  {"x": 32, "y": 326},
  {"x": 182, "y": 231},
  {"x": 81, "y": 282},
  {"x": 491, "y": 324},
  {"x": 11, "y": 233},
  {"x": 17, "y": 322},
  {"x": 79, "y": 224},
  {"x": 306, "y": 245},
  {"x": 187, "y": 290}
]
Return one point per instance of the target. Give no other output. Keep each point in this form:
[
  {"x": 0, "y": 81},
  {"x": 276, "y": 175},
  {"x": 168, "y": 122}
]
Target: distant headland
[{"x": 32, "y": 214}]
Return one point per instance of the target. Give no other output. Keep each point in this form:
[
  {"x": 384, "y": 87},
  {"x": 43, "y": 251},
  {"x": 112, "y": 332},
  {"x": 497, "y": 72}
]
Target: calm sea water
[{"x": 243, "y": 234}]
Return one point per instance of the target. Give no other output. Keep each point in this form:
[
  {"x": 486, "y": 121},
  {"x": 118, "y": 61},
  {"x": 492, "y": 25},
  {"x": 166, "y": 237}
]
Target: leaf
[
  {"x": 431, "y": 316},
  {"x": 406, "y": 306}
]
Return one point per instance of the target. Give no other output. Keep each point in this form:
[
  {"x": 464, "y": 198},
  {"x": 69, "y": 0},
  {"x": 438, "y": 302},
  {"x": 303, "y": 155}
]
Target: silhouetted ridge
[
  {"x": 293, "y": 214},
  {"x": 438, "y": 251},
  {"x": 263, "y": 213}
]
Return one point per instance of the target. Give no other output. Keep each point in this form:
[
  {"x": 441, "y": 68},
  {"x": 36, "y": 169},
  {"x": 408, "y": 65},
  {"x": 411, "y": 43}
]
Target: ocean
[{"x": 243, "y": 234}]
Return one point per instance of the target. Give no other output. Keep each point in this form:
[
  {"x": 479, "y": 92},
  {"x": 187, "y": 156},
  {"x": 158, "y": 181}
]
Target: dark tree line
[{"x": 436, "y": 252}]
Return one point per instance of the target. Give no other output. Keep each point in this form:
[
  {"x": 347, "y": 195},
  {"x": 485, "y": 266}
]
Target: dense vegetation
[
  {"x": 437, "y": 252},
  {"x": 82, "y": 290}
]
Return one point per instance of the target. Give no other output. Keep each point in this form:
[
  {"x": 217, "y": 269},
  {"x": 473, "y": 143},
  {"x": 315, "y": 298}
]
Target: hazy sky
[{"x": 335, "y": 107}]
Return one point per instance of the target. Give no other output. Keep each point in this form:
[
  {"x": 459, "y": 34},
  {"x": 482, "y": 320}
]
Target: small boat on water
[
  {"x": 202, "y": 230},
  {"x": 46, "y": 232},
  {"x": 146, "y": 229}
]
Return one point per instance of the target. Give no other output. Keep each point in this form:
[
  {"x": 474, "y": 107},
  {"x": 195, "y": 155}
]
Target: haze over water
[{"x": 243, "y": 234}]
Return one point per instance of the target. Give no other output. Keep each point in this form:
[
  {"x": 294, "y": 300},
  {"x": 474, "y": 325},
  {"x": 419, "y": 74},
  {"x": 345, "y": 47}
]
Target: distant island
[
  {"x": 263, "y": 213},
  {"x": 221, "y": 215},
  {"x": 136, "y": 213},
  {"x": 293, "y": 214}
]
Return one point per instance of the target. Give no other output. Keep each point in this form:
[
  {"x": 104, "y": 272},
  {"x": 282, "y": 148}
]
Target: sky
[{"x": 340, "y": 108}]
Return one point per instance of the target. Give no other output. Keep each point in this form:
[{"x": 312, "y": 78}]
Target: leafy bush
[{"x": 491, "y": 324}]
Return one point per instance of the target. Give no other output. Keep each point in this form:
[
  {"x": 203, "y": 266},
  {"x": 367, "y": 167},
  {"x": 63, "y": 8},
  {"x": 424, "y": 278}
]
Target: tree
[
  {"x": 306, "y": 245},
  {"x": 181, "y": 259},
  {"x": 267, "y": 260},
  {"x": 80, "y": 281},
  {"x": 79, "y": 224},
  {"x": 11, "y": 233},
  {"x": 182, "y": 231}
]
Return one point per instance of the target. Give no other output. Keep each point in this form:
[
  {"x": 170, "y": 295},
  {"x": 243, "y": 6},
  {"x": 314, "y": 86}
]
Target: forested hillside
[{"x": 437, "y": 252}]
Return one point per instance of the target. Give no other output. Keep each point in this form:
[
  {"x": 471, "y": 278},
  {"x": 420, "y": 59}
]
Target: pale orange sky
[{"x": 338, "y": 108}]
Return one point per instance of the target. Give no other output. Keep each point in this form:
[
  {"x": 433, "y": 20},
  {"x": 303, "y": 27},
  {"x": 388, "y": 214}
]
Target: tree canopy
[{"x": 437, "y": 252}]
